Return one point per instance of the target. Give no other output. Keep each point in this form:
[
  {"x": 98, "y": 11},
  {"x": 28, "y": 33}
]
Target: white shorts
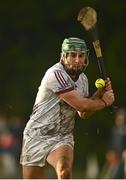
[{"x": 36, "y": 148}]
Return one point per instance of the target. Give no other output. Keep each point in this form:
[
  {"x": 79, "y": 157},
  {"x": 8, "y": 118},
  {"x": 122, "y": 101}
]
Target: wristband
[{"x": 104, "y": 102}]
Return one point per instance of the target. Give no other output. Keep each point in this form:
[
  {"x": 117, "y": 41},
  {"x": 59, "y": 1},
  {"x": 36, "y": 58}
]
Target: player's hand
[
  {"x": 108, "y": 97},
  {"x": 98, "y": 94},
  {"x": 108, "y": 84}
]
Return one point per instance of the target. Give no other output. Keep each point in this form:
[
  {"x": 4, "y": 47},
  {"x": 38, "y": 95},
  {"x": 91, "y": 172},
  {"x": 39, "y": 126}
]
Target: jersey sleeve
[{"x": 59, "y": 82}]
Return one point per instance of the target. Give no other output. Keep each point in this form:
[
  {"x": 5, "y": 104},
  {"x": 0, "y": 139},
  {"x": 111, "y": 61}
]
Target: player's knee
[{"x": 65, "y": 173}]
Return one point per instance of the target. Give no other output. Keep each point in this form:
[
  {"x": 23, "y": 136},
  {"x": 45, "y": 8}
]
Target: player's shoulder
[
  {"x": 56, "y": 67},
  {"x": 55, "y": 70},
  {"x": 83, "y": 76}
]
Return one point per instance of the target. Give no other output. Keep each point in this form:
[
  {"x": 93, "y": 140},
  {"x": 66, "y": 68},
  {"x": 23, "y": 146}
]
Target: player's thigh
[
  {"x": 62, "y": 156},
  {"x": 33, "y": 172}
]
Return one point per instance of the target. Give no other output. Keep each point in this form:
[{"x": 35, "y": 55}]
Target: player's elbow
[
  {"x": 82, "y": 115},
  {"x": 80, "y": 107}
]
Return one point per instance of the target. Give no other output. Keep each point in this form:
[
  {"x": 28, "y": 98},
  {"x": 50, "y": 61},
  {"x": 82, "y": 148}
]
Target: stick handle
[
  {"x": 104, "y": 75},
  {"x": 101, "y": 66}
]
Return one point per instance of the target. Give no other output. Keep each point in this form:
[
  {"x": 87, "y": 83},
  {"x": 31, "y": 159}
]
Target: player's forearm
[
  {"x": 90, "y": 105},
  {"x": 82, "y": 104},
  {"x": 87, "y": 114},
  {"x": 98, "y": 94}
]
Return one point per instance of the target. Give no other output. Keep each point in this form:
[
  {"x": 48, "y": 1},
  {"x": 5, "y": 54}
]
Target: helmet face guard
[{"x": 74, "y": 45}]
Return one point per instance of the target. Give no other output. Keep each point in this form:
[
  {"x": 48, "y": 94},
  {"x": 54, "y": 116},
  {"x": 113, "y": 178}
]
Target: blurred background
[{"x": 31, "y": 34}]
